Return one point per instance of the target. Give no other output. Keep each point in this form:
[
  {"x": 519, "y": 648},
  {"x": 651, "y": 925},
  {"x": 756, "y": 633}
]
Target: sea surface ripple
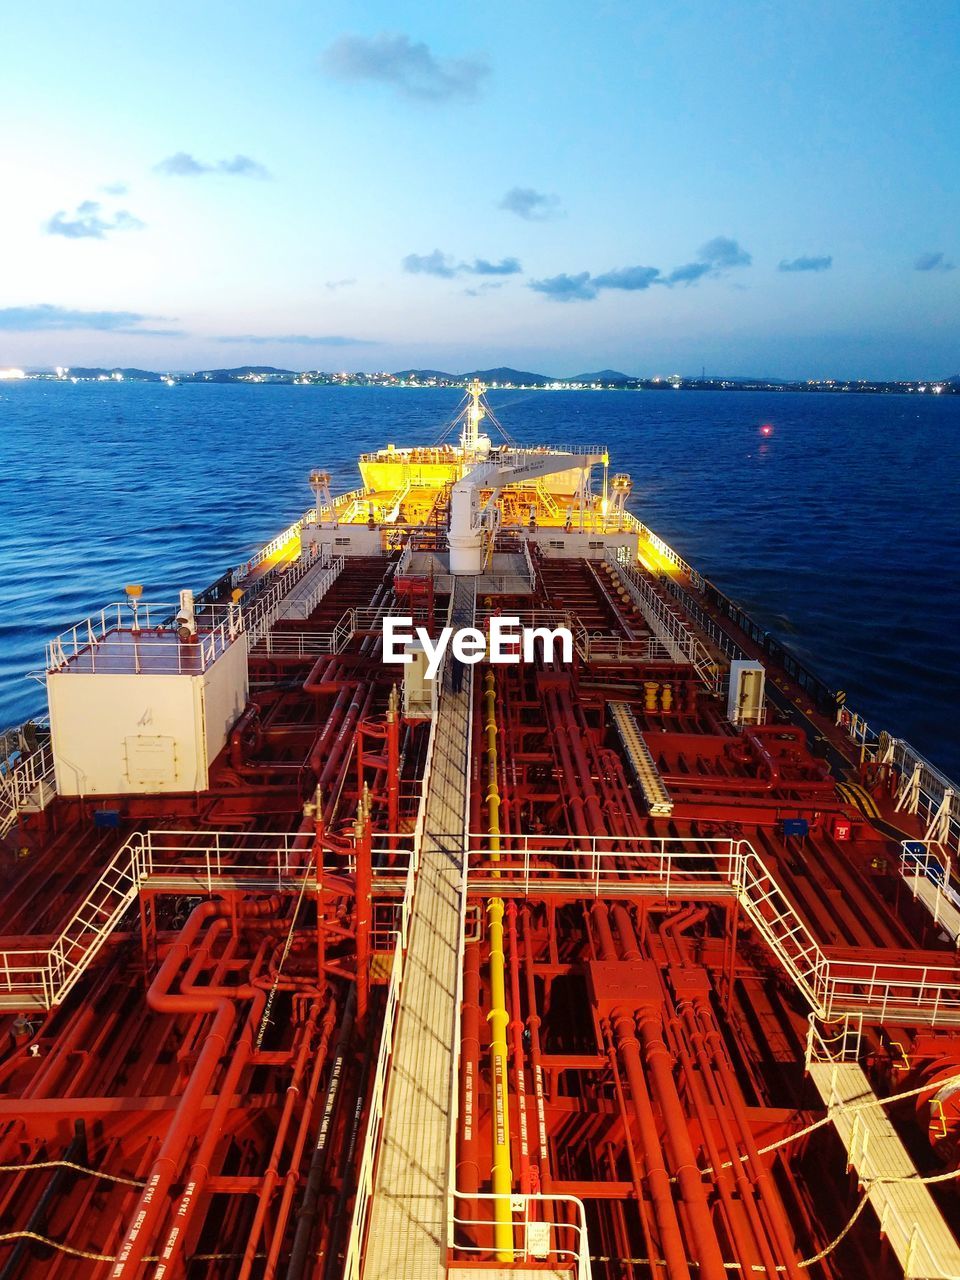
[{"x": 839, "y": 531}]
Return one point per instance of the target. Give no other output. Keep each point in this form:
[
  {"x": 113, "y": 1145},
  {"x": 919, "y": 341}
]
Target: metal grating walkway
[
  {"x": 654, "y": 789},
  {"x": 909, "y": 1218},
  {"x": 944, "y": 912},
  {"x": 407, "y": 1235}
]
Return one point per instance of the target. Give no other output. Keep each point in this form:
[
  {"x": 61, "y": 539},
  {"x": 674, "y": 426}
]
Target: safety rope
[
  {"x": 759, "y": 1268},
  {"x": 868, "y": 1182},
  {"x": 842, "y": 1108},
  {"x": 78, "y": 1168},
  {"x": 91, "y": 1256},
  {"x": 271, "y": 995},
  {"x": 63, "y": 1248},
  {"x": 825, "y": 1252}
]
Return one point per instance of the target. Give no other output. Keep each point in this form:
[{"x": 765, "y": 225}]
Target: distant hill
[
  {"x": 510, "y": 375},
  {"x": 242, "y": 371},
  {"x": 485, "y": 375},
  {"x": 422, "y": 374},
  {"x": 604, "y": 375},
  {"x": 131, "y": 375}
]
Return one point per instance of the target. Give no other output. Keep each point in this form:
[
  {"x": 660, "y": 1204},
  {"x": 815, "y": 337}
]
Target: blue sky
[{"x": 753, "y": 187}]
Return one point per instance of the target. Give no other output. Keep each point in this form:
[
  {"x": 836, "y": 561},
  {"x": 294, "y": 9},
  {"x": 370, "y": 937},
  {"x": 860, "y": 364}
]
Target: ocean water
[{"x": 839, "y": 531}]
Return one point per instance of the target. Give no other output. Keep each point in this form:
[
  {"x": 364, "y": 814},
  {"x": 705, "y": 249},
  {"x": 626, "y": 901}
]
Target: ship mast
[{"x": 470, "y": 437}]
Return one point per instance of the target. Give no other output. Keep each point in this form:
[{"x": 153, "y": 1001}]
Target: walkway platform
[
  {"x": 942, "y": 908},
  {"x": 909, "y": 1218},
  {"x": 506, "y": 1273},
  {"x": 407, "y": 1232},
  {"x": 302, "y": 598},
  {"x": 655, "y": 793}
]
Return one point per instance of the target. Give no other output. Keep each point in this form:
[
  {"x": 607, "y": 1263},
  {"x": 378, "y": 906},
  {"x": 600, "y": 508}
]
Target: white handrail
[
  {"x": 29, "y": 780},
  {"x": 154, "y": 620},
  {"x": 537, "y": 1235},
  {"x": 672, "y": 631},
  {"x": 928, "y": 995},
  {"x": 264, "y": 611},
  {"x": 923, "y": 789}
]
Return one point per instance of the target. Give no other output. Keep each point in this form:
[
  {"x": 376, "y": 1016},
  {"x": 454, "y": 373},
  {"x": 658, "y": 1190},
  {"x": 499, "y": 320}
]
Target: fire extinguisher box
[{"x": 841, "y": 828}]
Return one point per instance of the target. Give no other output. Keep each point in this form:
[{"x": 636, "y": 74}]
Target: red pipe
[
  {"x": 393, "y": 767},
  {"x": 238, "y": 752},
  {"x": 661, "y": 1192},
  {"x": 660, "y": 1068},
  {"x": 272, "y": 1174},
  {"x": 364, "y": 880},
  {"x": 468, "y": 1165},
  {"x": 745, "y": 1225},
  {"x": 533, "y": 1026},
  {"x": 766, "y": 1189},
  {"x": 200, "y": 1168},
  {"x": 632, "y": 1159},
  {"x": 222, "y": 1003},
  {"x": 516, "y": 1036}
]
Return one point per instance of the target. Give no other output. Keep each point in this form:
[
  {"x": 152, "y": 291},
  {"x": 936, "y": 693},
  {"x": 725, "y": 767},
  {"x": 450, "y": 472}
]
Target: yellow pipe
[
  {"x": 493, "y": 789},
  {"x": 500, "y": 1173}
]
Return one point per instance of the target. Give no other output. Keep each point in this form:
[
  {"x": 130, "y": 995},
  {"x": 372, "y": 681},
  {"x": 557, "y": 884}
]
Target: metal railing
[
  {"x": 153, "y": 644},
  {"x": 25, "y": 780},
  {"x": 663, "y": 549},
  {"x": 917, "y": 1233},
  {"x": 927, "y": 994},
  {"x": 265, "y": 610},
  {"x": 299, "y": 644},
  {"x": 923, "y": 790},
  {"x": 540, "y": 1232},
  {"x": 276, "y": 544},
  {"x": 406, "y": 555},
  {"x": 293, "y": 531},
  {"x": 709, "y": 626},
  {"x": 592, "y": 646},
  {"x": 528, "y": 561},
  {"x": 174, "y": 862},
  {"x": 843, "y": 1043},
  {"x": 303, "y": 606},
  {"x": 919, "y": 862},
  {"x": 603, "y": 866},
  {"x": 672, "y": 631}
]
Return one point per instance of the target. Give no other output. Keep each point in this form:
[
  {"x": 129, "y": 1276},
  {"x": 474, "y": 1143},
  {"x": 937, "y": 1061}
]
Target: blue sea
[{"x": 839, "y": 530}]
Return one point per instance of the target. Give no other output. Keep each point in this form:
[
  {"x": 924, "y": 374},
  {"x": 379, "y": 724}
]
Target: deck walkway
[
  {"x": 407, "y": 1235},
  {"x": 943, "y": 909},
  {"x": 909, "y": 1218},
  {"x": 302, "y": 599}
]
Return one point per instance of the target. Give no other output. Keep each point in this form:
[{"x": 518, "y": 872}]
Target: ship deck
[{"x": 260, "y": 1022}]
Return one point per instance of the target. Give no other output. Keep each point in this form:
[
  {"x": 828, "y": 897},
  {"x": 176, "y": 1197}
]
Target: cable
[
  {"x": 72, "y": 1164},
  {"x": 762, "y": 1270},
  {"x": 109, "y": 1257},
  {"x": 63, "y": 1248},
  {"x": 819, "y": 1257},
  {"x": 265, "y": 1018},
  {"x": 843, "y": 1107}
]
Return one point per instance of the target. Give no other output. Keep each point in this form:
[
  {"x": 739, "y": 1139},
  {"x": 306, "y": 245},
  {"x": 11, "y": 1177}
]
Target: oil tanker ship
[{"x": 464, "y": 886}]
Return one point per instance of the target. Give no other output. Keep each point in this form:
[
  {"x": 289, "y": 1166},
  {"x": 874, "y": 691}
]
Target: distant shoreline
[{"x": 860, "y": 386}]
